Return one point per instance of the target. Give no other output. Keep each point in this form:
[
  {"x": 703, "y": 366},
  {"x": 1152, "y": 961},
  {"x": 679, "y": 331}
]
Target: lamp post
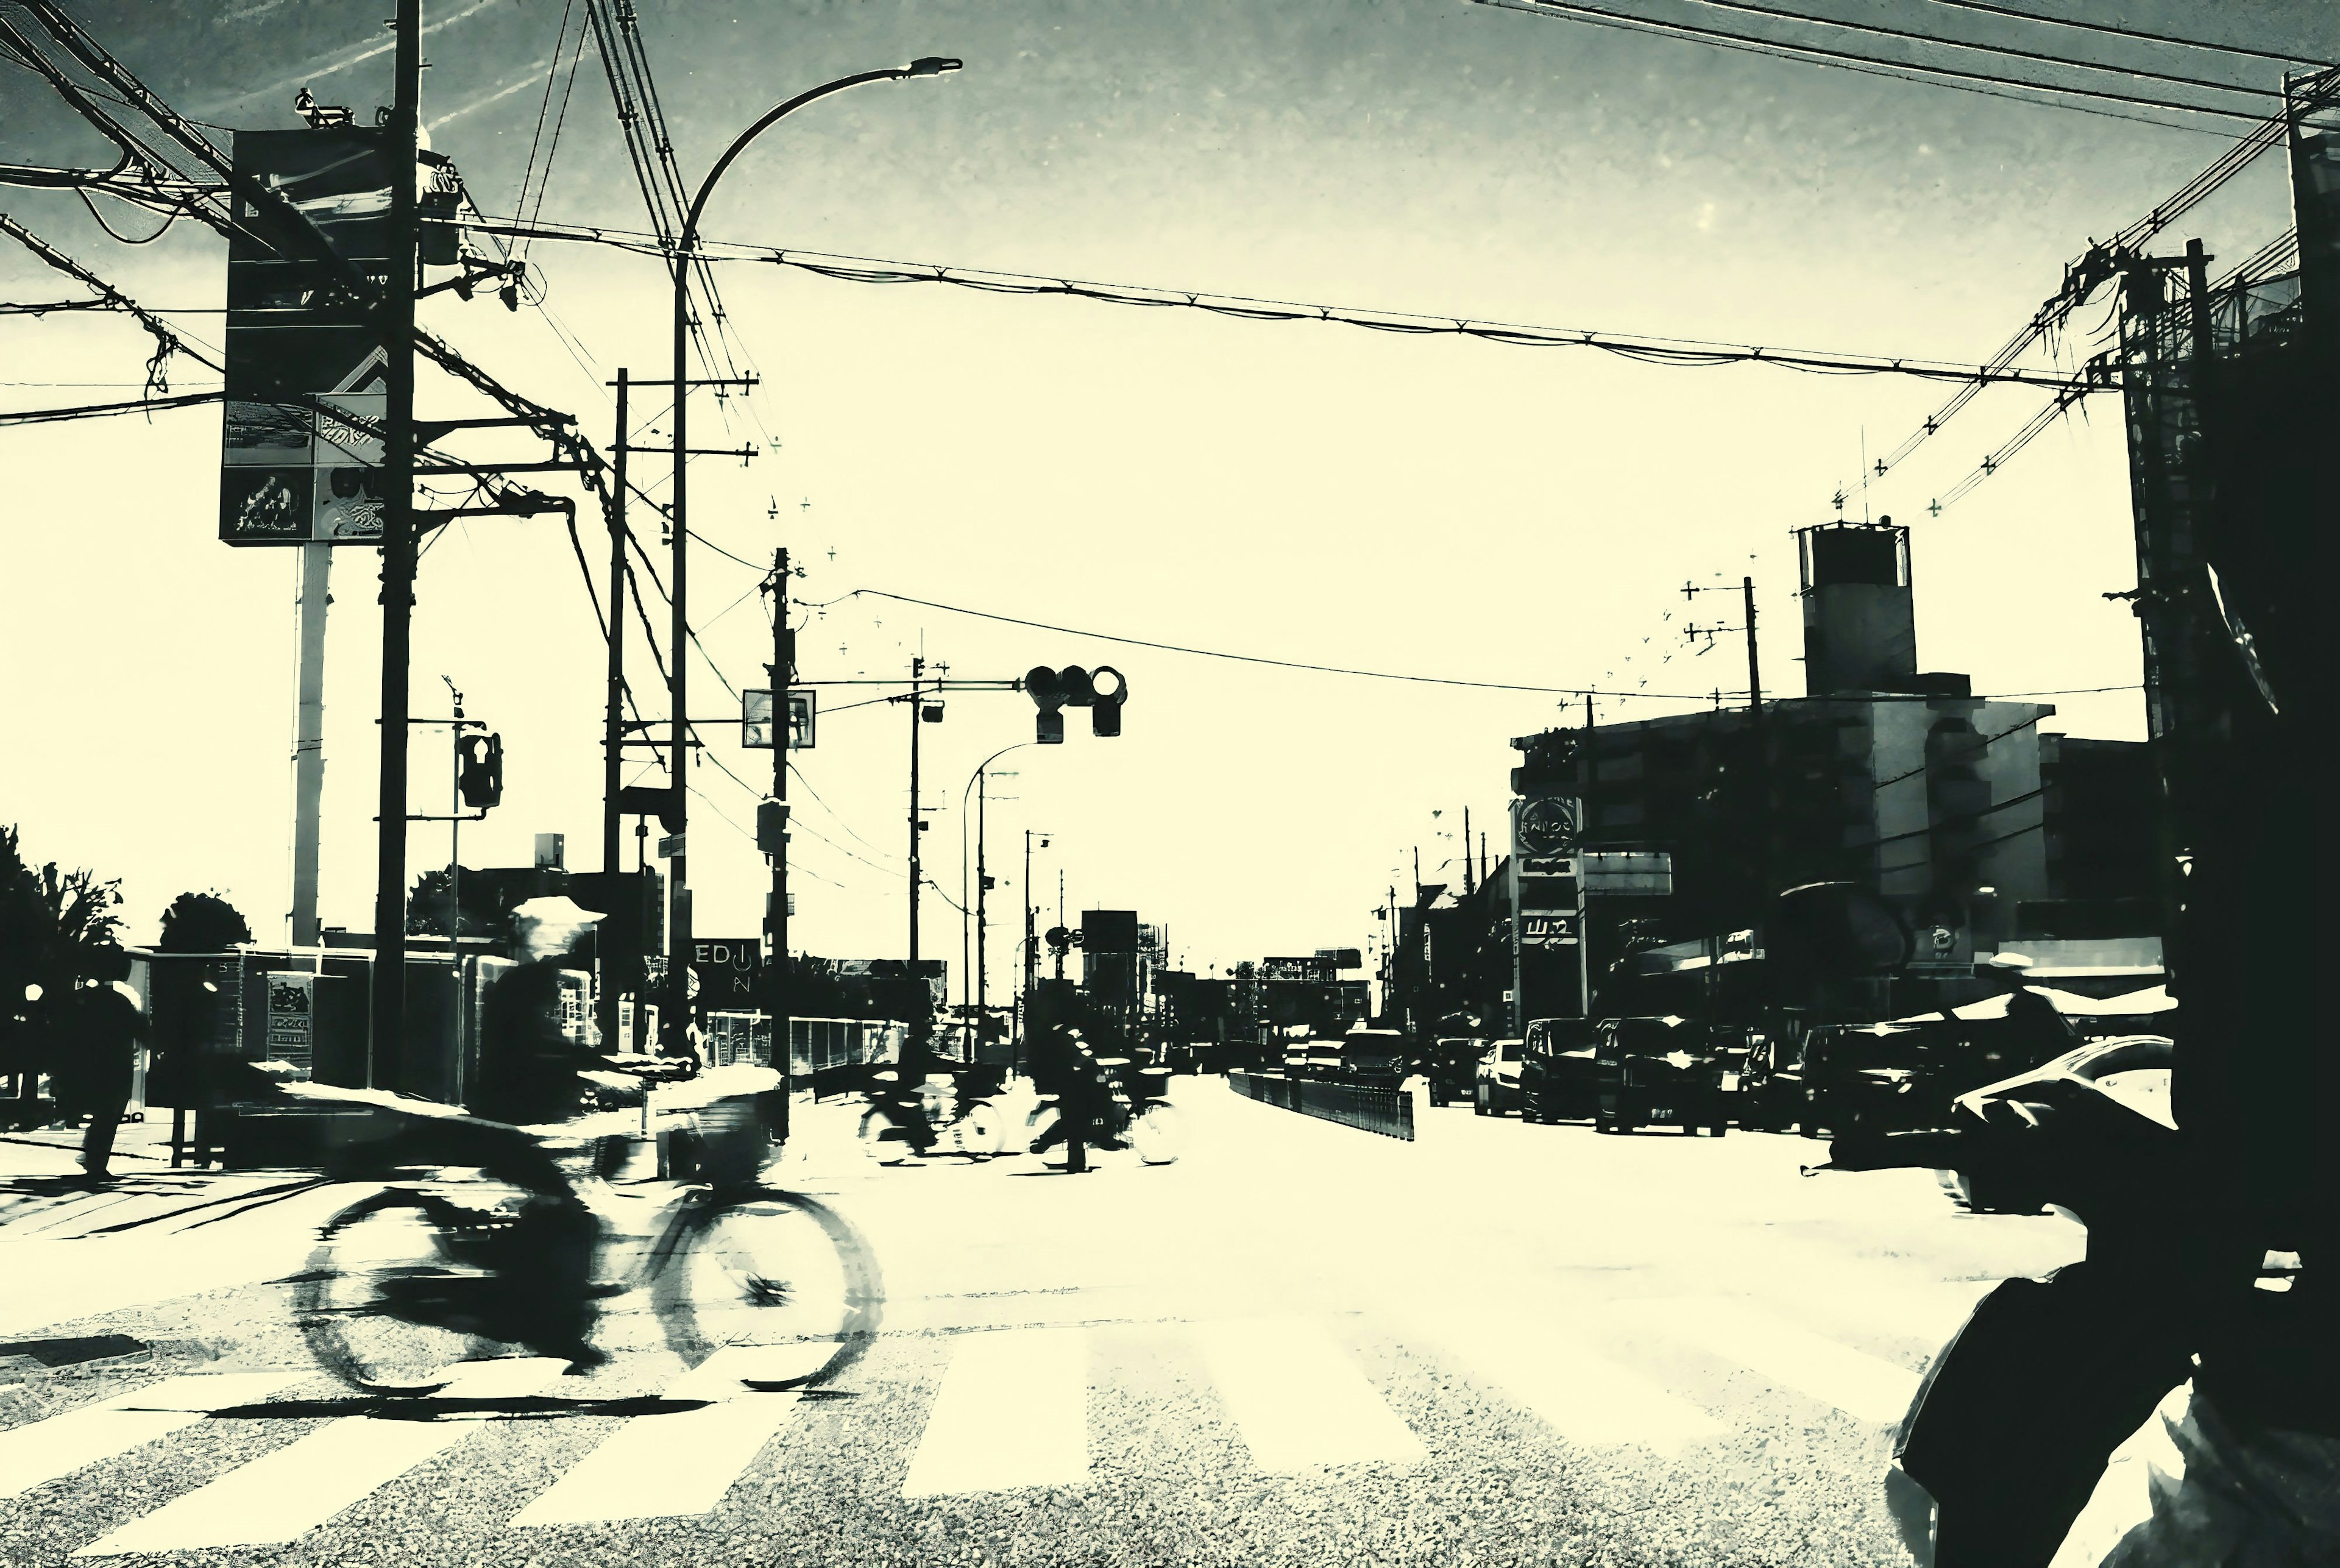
[
  {"x": 679, "y": 934},
  {"x": 970, "y": 977}
]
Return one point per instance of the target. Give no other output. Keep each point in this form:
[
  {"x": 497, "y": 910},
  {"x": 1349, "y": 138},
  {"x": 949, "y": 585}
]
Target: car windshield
[{"x": 1509, "y": 1051}]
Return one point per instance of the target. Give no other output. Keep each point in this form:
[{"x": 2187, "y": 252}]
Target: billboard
[
  {"x": 1549, "y": 974},
  {"x": 301, "y": 353}
]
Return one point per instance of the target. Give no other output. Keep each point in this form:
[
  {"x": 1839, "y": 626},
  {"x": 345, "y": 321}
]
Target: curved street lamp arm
[{"x": 771, "y": 118}]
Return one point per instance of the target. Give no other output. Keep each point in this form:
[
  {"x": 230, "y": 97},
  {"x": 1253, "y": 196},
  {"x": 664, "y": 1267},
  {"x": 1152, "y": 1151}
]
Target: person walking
[{"x": 99, "y": 1055}]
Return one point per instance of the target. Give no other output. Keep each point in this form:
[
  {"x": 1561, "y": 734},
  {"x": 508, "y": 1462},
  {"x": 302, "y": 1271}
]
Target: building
[{"x": 1956, "y": 807}]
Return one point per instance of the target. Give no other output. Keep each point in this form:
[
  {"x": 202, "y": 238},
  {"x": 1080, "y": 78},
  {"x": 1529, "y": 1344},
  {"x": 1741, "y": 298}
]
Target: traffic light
[
  {"x": 480, "y": 770},
  {"x": 1108, "y": 689},
  {"x": 1102, "y": 691}
]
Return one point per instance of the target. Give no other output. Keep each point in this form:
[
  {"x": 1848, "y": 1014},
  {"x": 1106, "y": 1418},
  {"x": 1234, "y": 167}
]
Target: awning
[
  {"x": 2066, "y": 1002},
  {"x": 2135, "y": 1003}
]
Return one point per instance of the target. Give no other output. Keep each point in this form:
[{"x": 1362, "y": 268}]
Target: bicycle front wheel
[
  {"x": 979, "y": 1134},
  {"x": 781, "y": 1279},
  {"x": 377, "y": 1279},
  {"x": 883, "y": 1139}
]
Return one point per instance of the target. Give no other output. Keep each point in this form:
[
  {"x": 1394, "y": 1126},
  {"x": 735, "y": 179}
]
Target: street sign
[
  {"x": 670, "y": 846},
  {"x": 756, "y": 719}
]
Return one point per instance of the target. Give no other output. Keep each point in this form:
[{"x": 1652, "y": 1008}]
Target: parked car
[
  {"x": 1872, "y": 1077},
  {"x": 1557, "y": 1071},
  {"x": 2134, "y": 1069},
  {"x": 1497, "y": 1088},
  {"x": 1451, "y": 1067},
  {"x": 1661, "y": 1072},
  {"x": 1322, "y": 1060},
  {"x": 1295, "y": 1057}
]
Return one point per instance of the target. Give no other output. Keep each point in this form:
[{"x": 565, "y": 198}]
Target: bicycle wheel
[
  {"x": 883, "y": 1138},
  {"x": 374, "y": 1254},
  {"x": 979, "y": 1134},
  {"x": 1156, "y": 1135},
  {"x": 783, "y": 1281}
]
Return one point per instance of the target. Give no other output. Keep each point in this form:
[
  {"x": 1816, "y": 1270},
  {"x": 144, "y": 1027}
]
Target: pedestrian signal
[{"x": 480, "y": 770}]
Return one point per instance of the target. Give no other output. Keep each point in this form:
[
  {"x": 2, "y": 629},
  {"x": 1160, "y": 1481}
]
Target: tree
[
  {"x": 202, "y": 923},
  {"x": 427, "y": 906},
  {"x": 52, "y": 923}
]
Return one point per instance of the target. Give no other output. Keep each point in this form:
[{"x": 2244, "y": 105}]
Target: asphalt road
[{"x": 1300, "y": 1344}]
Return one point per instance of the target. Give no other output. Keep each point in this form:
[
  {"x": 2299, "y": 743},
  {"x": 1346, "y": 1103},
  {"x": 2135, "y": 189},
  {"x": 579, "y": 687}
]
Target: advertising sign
[
  {"x": 291, "y": 1017},
  {"x": 726, "y": 968},
  {"x": 301, "y": 350}
]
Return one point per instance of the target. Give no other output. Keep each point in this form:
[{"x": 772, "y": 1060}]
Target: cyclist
[{"x": 532, "y": 1079}]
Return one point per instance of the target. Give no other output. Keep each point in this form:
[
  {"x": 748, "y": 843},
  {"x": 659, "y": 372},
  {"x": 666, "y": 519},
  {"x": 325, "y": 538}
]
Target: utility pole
[
  {"x": 783, "y": 676},
  {"x": 613, "y": 734},
  {"x": 1754, "y": 667},
  {"x": 1060, "y": 918},
  {"x": 1470, "y": 883},
  {"x": 398, "y": 556}
]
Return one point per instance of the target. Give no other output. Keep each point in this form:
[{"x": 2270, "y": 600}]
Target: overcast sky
[{"x": 1301, "y": 491}]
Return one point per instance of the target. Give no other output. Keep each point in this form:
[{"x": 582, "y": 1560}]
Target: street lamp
[
  {"x": 966, "y": 1016},
  {"x": 678, "y": 926}
]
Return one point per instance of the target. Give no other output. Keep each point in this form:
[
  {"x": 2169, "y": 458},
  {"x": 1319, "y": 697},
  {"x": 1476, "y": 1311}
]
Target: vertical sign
[
  {"x": 1549, "y": 971},
  {"x": 300, "y": 350},
  {"x": 291, "y": 1017}
]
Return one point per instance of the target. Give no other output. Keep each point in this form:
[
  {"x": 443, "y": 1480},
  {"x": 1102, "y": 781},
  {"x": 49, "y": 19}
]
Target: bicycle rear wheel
[
  {"x": 884, "y": 1138},
  {"x": 781, "y": 1279},
  {"x": 376, "y": 1254}
]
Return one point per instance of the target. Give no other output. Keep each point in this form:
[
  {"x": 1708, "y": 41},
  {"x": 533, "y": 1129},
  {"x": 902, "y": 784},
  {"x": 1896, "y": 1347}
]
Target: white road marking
[
  {"x": 1860, "y": 1385},
  {"x": 44, "y": 1450},
  {"x": 1012, "y": 1411},
  {"x": 1578, "y": 1392},
  {"x": 290, "y": 1492},
  {"x": 669, "y": 1466},
  {"x": 1297, "y": 1397}
]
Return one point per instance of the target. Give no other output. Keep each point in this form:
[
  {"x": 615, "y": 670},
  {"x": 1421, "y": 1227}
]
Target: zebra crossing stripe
[
  {"x": 43, "y": 1451},
  {"x": 1297, "y": 1397},
  {"x": 1012, "y": 1411},
  {"x": 1863, "y": 1385},
  {"x": 1580, "y": 1394},
  {"x": 669, "y": 1466},
  {"x": 285, "y": 1493}
]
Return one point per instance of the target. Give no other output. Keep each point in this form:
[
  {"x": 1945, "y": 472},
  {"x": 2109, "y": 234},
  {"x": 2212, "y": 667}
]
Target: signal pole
[
  {"x": 917, "y": 829},
  {"x": 387, "y": 1040}
]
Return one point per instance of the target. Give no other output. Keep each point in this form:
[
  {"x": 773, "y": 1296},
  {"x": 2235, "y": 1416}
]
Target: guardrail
[{"x": 1389, "y": 1112}]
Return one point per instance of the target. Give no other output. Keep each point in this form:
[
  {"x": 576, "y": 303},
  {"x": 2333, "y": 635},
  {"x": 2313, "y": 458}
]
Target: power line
[
  {"x": 1816, "y": 54},
  {"x": 2041, "y": 57},
  {"x": 1649, "y": 348},
  {"x": 2120, "y": 32},
  {"x": 101, "y": 411}
]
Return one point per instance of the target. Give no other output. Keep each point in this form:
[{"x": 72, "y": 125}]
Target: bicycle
[
  {"x": 411, "y": 1280},
  {"x": 971, "y": 1128}
]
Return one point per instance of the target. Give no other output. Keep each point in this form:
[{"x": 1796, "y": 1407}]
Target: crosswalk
[{"x": 1009, "y": 1410}]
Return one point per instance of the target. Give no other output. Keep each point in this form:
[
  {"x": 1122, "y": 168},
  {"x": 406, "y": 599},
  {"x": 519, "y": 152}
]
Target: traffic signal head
[
  {"x": 1045, "y": 688},
  {"x": 1078, "y": 691},
  {"x": 1109, "y": 688},
  {"x": 480, "y": 770}
]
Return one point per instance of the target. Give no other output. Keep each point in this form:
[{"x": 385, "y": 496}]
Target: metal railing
[{"x": 1389, "y": 1112}]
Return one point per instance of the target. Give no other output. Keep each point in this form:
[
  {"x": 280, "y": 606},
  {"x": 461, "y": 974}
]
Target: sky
[{"x": 1302, "y": 492}]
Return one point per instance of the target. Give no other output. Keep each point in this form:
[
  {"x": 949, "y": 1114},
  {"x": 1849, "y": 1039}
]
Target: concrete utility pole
[
  {"x": 917, "y": 828},
  {"x": 613, "y": 734},
  {"x": 388, "y": 1041},
  {"x": 309, "y": 746},
  {"x": 1470, "y": 882},
  {"x": 1754, "y": 667}
]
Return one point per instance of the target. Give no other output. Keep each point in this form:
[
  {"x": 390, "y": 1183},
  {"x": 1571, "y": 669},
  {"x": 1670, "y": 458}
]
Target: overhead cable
[
  {"x": 1649, "y": 348},
  {"x": 1571, "y": 10},
  {"x": 1879, "y": 30},
  {"x": 2120, "y": 32}
]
